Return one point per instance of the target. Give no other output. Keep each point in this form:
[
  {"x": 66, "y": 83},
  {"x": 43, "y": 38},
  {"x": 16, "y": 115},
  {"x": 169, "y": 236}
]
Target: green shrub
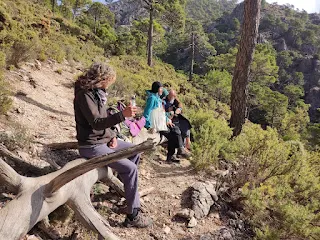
[
  {"x": 59, "y": 71},
  {"x": 21, "y": 51},
  {"x": 210, "y": 135},
  {"x": 279, "y": 182},
  {"x": 134, "y": 76},
  {"x": 314, "y": 135},
  {"x": 5, "y": 100},
  {"x": 16, "y": 138}
]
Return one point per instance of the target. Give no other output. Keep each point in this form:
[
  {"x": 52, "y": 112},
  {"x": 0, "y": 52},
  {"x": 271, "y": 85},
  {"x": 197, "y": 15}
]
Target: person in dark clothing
[
  {"x": 173, "y": 134},
  {"x": 174, "y": 109},
  {"x": 95, "y": 138}
]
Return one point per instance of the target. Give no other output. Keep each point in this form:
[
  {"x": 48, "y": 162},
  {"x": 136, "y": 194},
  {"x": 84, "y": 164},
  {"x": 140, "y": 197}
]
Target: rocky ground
[{"x": 43, "y": 113}]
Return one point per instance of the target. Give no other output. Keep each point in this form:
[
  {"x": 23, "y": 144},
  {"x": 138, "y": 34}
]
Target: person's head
[
  {"x": 99, "y": 75},
  {"x": 172, "y": 95},
  {"x": 157, "y": 88}
]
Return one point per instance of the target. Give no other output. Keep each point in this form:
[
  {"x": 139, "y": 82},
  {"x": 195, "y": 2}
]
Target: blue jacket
[{"x": 154, "y": 101}]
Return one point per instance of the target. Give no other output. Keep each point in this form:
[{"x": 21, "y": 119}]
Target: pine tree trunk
[
  {"x": 150, "y": 36},
  {"x": 75, "y": 8},
  {"x": 95, "y": 24},
  {"x": 53, "y": 3},
  {"x": 192, "y": 56},
  {"x": 239, "y": 94}
]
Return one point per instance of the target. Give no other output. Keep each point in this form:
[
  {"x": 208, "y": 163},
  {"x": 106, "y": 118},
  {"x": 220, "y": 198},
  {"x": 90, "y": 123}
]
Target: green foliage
[
  {"x": 31, "y": 34},
  {"x": 294, "y": 94},
  {"x": 264, "y": 73},
  {"x": 219, "y": 84},
  {"x": 279, "y": 181},
  {"x": 314, "y": 135},
  {"x": 5, "y": 100},
  {"x": 134, "y": 76},
  {"x": 210, "y": 135},
  {"x": 174, "y": 15},
  {"x": 294, "y": 124},
  {"x": 273, "y": 103},
  {"x": 179, "y": 52},
  {"x": 17, "y": 137},
  {"x": 207, "y": 11},
  {"x": 141, "y": 28}
]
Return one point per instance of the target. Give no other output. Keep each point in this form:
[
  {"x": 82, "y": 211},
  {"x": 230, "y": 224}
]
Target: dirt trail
[{"x": 43, "y": 103}]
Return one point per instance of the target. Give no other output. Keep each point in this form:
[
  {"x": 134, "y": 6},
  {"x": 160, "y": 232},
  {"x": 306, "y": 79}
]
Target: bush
[
  {"x": 134, "y": 76},
  {"x": 210, "y": 136},
  {"x": 5, "y": 100},
  {"x": 279, "y": 182},
  {"x": 21, "y": 51},
  {"x": 16, "y": 138}
]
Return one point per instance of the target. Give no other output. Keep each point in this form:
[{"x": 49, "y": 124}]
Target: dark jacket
[
  {"x": 92, "y": 121},
  {"x": 182, "y": 122}
]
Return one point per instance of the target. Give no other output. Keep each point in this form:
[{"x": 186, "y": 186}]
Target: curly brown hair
[{"x": 99, "y": 75}]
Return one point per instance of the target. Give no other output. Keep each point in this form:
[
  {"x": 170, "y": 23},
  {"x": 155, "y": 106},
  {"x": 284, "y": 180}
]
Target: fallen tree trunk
[
  {"x": 38, "y": 197},
  {"x": 62, "y": 146},
  {"x": 22, "y": 166}
]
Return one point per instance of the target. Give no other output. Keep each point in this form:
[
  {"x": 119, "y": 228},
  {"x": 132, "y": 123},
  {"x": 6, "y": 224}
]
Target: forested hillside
[{"x": 273, "y": 180}]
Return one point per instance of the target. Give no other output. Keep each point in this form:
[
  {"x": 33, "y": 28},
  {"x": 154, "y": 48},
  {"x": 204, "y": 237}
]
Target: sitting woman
[
  {"x": 174, "y": 108},
  {"x": 95, "y": 138},
  {"x": 173, "y": 133}
]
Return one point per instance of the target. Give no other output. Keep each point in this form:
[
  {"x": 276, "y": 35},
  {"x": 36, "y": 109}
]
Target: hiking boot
[
  {"x": 139, "y": 221},
  {"x": 182, "y": 153},
  {"x": 173, "y": 159}
]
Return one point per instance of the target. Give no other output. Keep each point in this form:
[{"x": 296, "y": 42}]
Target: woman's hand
[
  {"x": 129, "y": 111},
  {"x": 178, "y": 111},
  {"x": 170, "y": 124},
  {"x": 113, "y": 143}
]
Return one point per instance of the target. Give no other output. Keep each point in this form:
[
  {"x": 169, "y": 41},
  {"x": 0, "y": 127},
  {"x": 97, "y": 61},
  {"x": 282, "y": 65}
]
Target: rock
[
  {"x": 25, "y": 78},
  {"x": 23, "y": 155},
  {"x": 282, "y": 45},
  {"x": 32, "y": 237},
  {"x": 186, "y": 213},
  {"x": 215, "y": 215},
  {"x": 38, "y": 64},
  {"x": 166, "y": 230},
  {"x": 211, "y": 189},
  {"x": 31, "y": 65},
  {"x": 232, "y": 215},
  {"x": 125, "y": 12},
  {"x": 207, "y": 237},
  {"x": 203, "y": 197},
  {"x": 226, "y": 234},
  {"x": 192, "y": 223},
  {"x": 240, "y": 225},
  {"x": 19, "y": 110},
  {"x": 222, "y": 173},
  {"x": 233, "y": 223}
]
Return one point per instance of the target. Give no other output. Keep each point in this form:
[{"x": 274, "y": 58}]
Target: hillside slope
[{"x": 43, "y": 105}]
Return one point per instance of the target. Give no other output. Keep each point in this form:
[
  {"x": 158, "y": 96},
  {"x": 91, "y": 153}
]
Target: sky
[{"x": 310, "y": 6}]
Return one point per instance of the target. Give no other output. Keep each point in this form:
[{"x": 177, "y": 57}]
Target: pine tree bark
[
  {"x": 150, "y": 36},
  {"x": 53, "y": 3},
  {"x": 239, "y": 93},
  {"x": 192, "y": 56},
  {"x": 75, "y": 9}
]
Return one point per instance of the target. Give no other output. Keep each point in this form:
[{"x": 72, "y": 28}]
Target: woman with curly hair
[{"x": 95, "y": 138}]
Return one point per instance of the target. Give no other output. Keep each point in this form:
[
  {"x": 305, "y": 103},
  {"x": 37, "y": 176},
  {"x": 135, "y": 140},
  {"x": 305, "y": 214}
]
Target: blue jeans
[{"x": 126, "y": 168}]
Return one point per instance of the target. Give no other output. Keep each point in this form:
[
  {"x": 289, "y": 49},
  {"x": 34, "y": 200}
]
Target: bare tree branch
[
  {"x": 9, "y": 177},
  {"x": 93, "y": 163},
  {"x": 21, "y": 165},
  {"x": 64, "y": 145}
]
